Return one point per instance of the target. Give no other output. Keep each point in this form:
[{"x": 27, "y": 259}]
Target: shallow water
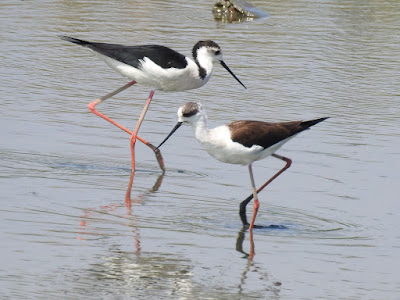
[{"x": 69, "y": 230}]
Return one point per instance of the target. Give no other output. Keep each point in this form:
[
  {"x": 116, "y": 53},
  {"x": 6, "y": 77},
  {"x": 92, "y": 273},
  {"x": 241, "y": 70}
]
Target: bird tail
[
  {"x": 74, "y": 40},
  {"x": 308, "y": 124}
]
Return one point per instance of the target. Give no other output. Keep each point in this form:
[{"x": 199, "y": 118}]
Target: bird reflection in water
[
  {"x": 129, "y": 200},
  {"x": 271, "y": 286},
  {"x": 239, "y": 244},
  {"x": 89, "y": 214}
]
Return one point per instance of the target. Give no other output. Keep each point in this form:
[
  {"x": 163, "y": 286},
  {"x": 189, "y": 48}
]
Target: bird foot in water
[{"x": 272, "y": 226}]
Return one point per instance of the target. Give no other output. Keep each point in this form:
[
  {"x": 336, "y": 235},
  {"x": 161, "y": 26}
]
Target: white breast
[
  {"x": 152, "y": 75},
  {"x": 219, "y": 145}
]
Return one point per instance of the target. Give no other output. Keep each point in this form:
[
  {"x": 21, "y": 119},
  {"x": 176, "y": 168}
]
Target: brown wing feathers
[{"x": 264, "y": 134}]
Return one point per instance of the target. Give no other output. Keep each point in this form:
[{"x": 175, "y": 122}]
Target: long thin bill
[
  {"x": 171, "y": 133},
  {"x": 230, "y": 72}
]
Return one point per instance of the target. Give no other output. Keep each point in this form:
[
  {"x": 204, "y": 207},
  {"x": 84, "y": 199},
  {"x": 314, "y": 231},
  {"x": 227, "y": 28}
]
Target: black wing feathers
[{"x": 131, "y": 55}]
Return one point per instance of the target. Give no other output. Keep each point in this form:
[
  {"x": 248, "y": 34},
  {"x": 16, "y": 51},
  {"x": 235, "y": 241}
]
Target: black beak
[
  {"x": 171, "y": 133},
  {"x": 230, "y": 72}
]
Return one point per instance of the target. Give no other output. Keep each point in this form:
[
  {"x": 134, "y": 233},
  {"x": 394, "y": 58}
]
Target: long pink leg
[
  {"x": 92, "y": 108},
  {"x": 288, "y": 164},
  {"x": 256, "y": 202},
  {"x": 135, "y": 131},
  {"x": 242, "y": 211}
]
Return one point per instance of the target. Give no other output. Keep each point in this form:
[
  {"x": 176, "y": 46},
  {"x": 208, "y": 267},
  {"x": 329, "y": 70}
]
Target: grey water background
[{"x": 65, "y": 227}]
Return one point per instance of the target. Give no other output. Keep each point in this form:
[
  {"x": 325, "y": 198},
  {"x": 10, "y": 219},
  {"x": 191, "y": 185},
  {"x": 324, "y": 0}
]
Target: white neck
[
  {"x": 205, "y": 60},
  {"x": 201, "y": 129}
]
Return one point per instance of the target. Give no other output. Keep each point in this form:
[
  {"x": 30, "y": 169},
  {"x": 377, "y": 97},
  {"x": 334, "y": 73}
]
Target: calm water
[{"x": 69, "y": 231}]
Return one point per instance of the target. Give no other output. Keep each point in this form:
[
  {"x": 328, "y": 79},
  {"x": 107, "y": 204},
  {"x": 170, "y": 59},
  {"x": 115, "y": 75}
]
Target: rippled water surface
[{"x": 70, "y": 230}]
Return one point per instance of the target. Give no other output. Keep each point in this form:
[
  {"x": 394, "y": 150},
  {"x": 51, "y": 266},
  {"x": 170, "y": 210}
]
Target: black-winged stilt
[
  {"x": 158, "y": 67},
  {"x": 241, "y": 142}
]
